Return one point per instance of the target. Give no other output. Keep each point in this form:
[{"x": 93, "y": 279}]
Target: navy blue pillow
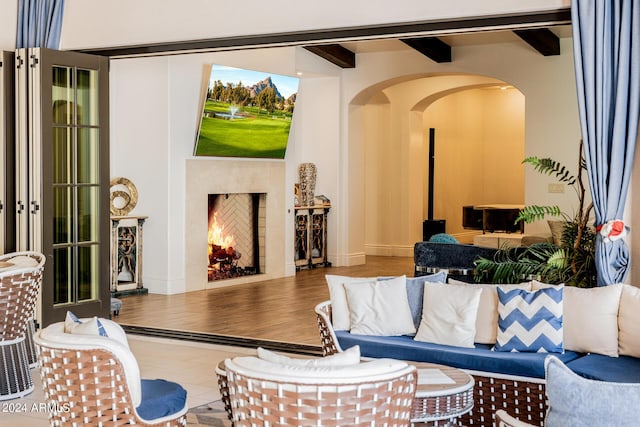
[{"x": 161, "y": 398}]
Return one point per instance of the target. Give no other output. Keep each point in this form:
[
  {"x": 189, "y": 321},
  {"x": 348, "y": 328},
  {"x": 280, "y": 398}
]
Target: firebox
[{"x": 236, "y": 238}]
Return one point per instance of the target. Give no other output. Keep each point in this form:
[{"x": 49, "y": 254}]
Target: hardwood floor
[{"x": 275, "y": 313}]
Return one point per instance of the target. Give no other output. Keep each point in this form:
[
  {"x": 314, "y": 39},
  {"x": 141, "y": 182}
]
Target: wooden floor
[{"x": 279, "y": 310}]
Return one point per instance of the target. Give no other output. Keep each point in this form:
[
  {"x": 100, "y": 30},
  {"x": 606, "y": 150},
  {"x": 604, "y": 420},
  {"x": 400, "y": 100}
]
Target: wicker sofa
[{"x": 514, "y": 381}]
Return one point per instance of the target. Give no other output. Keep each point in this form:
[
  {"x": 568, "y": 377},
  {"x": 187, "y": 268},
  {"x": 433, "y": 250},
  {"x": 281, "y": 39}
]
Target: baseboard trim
[{"x": 389, "y": 250}]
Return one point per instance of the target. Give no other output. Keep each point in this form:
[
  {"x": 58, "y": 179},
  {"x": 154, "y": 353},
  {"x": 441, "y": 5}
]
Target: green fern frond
[
  {"x": 559, "y": 259},
  {"x": 551, "y": 167},
  {"x": 533, "y": 213}
]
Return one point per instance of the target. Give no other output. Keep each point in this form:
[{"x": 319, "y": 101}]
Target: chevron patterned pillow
[{"x": 530, "y": 321}]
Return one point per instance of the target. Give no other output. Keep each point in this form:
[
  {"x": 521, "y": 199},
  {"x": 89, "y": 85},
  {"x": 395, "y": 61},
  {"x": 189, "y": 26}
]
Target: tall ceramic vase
[{"x": 307, "y": 176}]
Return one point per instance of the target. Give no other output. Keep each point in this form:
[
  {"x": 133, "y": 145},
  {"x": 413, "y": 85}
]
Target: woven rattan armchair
[
  {"x": 95, "y": 380},
  {"x": 20, "y": 279},
  {"x": 360, "y": 395}
]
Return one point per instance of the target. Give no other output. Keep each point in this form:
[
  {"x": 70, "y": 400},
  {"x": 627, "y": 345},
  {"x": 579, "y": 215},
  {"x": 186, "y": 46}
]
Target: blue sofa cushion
[
  {"x": 576, "y": 402},
  {"x": 480, "y": 358},
  {"x": 623, "y": 369},
  {"x": 161, "y": 398}
]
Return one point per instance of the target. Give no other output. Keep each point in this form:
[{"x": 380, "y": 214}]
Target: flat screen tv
[{"x": 246, "y": 113}]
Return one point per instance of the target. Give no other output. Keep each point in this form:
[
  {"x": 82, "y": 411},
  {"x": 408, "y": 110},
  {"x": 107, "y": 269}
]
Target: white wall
[
  {"x": 479, "y": 150},
  {"x": 95, "y": 23},
  {"x": 8, "y": 24}
]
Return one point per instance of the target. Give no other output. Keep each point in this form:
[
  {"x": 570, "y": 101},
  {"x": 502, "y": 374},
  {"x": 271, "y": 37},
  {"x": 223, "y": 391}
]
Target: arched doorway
[{"x": 479, "y": 123}]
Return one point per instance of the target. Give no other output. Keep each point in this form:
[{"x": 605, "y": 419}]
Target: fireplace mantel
[{"x": 218, "y": 176}]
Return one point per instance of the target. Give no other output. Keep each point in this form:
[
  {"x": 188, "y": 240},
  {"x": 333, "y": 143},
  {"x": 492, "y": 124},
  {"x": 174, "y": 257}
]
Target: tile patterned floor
[{"x": 190, "y": 364}]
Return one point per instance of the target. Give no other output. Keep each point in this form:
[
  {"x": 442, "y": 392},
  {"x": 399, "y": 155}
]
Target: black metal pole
[{"x": 432, "y": 146}]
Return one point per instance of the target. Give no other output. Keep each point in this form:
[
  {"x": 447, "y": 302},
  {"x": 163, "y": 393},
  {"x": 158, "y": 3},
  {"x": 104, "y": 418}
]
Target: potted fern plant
[{"x": 572, "y": 261}]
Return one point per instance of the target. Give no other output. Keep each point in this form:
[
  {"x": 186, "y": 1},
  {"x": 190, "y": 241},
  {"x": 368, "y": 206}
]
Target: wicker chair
[
  {"x": 20, "y": 279},
  {"x": 294, "y": 396},
  {"x": 95, "y": 380}
]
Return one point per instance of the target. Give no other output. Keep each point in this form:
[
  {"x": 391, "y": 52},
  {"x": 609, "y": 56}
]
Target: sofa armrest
[{"x": 328, "y": 337}]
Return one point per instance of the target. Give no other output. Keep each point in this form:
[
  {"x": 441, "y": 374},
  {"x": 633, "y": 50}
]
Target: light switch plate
[{"x": 556, "y": 188}]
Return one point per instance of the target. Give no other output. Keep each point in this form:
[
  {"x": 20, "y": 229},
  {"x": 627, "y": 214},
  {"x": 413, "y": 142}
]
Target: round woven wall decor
[{"x": 124, "y": 196}]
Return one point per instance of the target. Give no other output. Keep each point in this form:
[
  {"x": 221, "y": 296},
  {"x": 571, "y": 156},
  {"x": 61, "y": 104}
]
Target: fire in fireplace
[{"x": 236, "y": 235}]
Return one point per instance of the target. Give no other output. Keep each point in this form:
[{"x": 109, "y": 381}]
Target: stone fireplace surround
[{"x": 217, "y": 176}]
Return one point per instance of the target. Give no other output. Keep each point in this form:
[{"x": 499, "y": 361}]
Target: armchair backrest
[
  {"x": 379, "y": 392},
  {"x": 20, "y": 279},
  {"x": 113, "y": 352}
]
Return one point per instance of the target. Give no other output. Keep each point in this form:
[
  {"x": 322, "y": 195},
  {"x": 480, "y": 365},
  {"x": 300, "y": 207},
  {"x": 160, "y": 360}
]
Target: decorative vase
[{"x": 307, "y": 176}]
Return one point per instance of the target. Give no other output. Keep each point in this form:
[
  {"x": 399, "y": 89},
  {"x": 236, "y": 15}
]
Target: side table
[{"x": 443, "y": 394}]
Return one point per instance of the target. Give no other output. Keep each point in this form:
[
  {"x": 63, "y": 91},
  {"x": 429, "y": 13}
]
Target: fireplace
[
  {"x": 236, "y": 235},
  {"x": 233, "y": 176}
]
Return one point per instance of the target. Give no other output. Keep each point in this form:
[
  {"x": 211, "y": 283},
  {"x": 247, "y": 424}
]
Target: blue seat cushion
[
  {"x": 161, "y": 398},
  {"x": 480, "y": 358},
  {"x": 623, "y": 369}
]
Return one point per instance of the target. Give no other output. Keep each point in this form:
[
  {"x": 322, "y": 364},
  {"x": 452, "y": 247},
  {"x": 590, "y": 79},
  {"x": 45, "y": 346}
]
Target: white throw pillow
[
  {"x": 339, "y": 308},
  {"x": 487, "y": 319},
  {"x": 629, "y": 321},
  {"x": 350, "y": 356},
  {"x": 91, "y": 326},
  {"x": 18, "y": 262},
  {"x": 380, "y": 308},
  {"x": 449, "y": 314},
  {"x": 535, "y": 285},
  {"x": 591, "y": 319},
  {"x": 23, "y": 261}
]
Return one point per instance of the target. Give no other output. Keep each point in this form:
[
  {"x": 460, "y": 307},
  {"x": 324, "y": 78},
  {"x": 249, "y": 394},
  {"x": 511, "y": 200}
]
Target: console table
[
  {"x": 311, "y": 236},
  {"x": 126, "y": 253},
  {"x": 492, "y": 217}
]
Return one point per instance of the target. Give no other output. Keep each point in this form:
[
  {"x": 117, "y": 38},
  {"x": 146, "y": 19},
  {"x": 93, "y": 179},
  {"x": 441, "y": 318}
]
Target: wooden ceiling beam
[
  {"x": 431, "y": 47},
  {"x": 541, "y": 39},
  {"x": 334, "y": 53}
]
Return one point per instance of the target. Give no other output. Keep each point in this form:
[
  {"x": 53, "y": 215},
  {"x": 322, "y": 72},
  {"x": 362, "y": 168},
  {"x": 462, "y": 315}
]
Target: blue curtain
[
  {"x": 39, "y": 23},
  {"x": 606, "y": 40}
]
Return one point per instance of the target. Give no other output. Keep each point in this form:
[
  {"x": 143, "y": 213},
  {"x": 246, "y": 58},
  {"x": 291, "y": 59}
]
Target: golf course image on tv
[{"x": 246, "y": 113}]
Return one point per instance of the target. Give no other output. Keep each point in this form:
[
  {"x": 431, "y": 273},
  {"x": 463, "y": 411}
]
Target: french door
[
  {"x": 7, "y": 159},
  {"x": 62, "y": 169}
]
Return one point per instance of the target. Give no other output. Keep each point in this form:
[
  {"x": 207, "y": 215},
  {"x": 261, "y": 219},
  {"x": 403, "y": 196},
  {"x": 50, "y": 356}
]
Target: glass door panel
[
  {"x": 87, "y": 97},
  {"x": 62, "y": 269},
  {"x": 88, "y": 261},
  {"x": 62, "y": 95},
  {"x": 88, "y": 204},
  {"x": 88, "y": 159},
  {"x": 62, "y": 138},
  {"x": 62, "y": 216},
  {"x": 75, "y": 105}
]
